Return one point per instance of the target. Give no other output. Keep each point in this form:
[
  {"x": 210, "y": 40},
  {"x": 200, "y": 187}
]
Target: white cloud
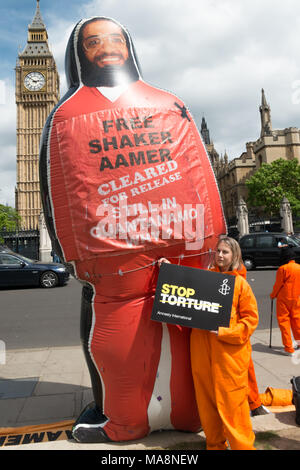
[{"x": 59, "y": 33}]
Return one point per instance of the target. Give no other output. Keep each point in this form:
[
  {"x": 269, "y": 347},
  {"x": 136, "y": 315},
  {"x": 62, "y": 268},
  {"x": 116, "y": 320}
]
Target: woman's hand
[
  {"x": 215, "y": 332},
  {"x": 163, "y": 260}
]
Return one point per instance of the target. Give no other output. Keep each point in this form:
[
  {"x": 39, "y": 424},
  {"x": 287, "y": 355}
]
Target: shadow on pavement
[{"x": 260, "y": 347}]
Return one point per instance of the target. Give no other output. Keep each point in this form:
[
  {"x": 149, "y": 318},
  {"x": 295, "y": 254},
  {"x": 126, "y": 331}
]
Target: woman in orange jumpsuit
[
  {"x": 255, "y": 403},
  {"x": 220, "y": 363},
  {"x": 287, "y": 291}
]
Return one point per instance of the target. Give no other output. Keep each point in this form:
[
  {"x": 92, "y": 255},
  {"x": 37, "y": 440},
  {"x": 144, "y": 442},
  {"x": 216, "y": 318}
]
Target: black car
[
  {"x": 261, "y": 249},
  {"x": 16, "y": 270}
]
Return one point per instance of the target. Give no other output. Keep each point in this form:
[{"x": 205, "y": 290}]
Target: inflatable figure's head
[{"x": 100, "y": 53}]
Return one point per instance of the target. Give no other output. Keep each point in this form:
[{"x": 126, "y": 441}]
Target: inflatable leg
[{"x": 140, "y": 371}]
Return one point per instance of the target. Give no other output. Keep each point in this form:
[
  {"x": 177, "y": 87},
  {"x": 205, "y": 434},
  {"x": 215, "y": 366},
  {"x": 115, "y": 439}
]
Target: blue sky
[
  {"x": 216, "y": 55},
  {"x": 15, "y": 15}
]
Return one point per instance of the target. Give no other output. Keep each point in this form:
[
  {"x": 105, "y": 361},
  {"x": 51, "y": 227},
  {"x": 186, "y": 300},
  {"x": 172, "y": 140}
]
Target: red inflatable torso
[{"x": 131, "y": 180}]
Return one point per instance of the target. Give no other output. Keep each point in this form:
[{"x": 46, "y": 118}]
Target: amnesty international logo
[{"x": 224, "y": 289}]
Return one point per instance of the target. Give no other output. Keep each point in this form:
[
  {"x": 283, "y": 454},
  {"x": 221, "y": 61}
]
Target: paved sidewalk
[{"x": 43, "y": 386}]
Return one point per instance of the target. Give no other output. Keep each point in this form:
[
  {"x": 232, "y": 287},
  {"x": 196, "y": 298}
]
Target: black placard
[{"x": 193, "y": 297}]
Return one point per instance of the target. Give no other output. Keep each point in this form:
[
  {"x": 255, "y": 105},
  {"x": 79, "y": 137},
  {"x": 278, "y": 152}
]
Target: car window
[
  {"x": 247, "y": 242},
  {"x": 280, "y": 238},
  {"x": 280, "y": 241},
  {"x": 264, "y": 242},
  {"x": 8, "y": 259},
  {"x": 293, "y": 241}
]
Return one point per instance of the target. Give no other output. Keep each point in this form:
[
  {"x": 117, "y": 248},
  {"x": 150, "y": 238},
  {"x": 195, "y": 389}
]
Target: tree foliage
[
  {"x": 9, "y": 218},
  {"x": 273, "y": 181}
]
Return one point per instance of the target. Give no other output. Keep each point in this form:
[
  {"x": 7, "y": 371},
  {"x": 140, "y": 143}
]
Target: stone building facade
[{"x": 270, "y": 146}]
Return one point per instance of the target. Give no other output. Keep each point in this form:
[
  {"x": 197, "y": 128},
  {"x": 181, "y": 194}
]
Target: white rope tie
[{"x": 122, "y": 273}]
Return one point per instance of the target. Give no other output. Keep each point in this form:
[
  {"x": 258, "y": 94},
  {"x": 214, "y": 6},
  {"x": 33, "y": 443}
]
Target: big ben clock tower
[{"x": 37, "y": 92}]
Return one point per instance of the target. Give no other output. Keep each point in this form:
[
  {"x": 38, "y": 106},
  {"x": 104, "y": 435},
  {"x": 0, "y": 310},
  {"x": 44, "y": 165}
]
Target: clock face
[{"x": 34, "y": 81}]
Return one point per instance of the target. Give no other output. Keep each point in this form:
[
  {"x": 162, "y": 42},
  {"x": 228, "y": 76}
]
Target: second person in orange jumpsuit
[
  {"x": 287, "y": 291},
  {"x": 220, "y": 363},
  {"x": 255, "y": 403}
]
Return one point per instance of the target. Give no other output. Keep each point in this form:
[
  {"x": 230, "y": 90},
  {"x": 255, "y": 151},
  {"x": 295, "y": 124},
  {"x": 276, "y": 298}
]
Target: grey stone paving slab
[
  {"x": 58, "y": 407},
  {"x": 17, "y": 388}
]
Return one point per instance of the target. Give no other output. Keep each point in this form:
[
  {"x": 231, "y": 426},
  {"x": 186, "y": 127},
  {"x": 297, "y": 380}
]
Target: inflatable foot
[
  {"x": 89, "y": 433},
  {"x": 88, "y": 428}
]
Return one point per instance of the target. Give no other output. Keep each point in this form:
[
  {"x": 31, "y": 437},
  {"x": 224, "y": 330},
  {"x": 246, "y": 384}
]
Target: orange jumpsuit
[
  {"x": 253, "y": 397},
  {"x": 287, "y": 291},
  {"x": 253, "y": 392},
  {"x": 220, "y": 371}
]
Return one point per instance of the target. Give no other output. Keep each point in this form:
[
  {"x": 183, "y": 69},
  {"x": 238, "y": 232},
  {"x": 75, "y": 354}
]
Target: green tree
[
  {"x": 272, "y": 182},
  {"x": 9, "y": 218}
]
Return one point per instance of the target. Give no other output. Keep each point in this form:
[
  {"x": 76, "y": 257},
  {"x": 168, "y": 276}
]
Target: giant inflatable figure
[{"x": 126, "y": 180}]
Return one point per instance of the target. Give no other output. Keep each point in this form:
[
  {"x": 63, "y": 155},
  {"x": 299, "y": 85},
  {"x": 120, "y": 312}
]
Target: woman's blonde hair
[{"x": 237, "y": 260}]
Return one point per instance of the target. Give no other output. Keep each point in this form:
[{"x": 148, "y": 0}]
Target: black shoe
[
  {"x": 88, "y": 427},
  {"x": 89, "y": 434},
  {"x": 261, "y": 410}
]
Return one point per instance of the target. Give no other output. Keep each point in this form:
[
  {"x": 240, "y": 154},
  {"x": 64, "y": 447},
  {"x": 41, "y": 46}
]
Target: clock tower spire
[{"x": 37, "y": 92}]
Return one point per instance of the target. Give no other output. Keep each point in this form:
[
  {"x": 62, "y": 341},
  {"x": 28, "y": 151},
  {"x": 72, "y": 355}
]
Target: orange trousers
[
  {"x": 220, "y": 373},
  {"x": 288, "y": 317},
  {"x": 253, "y": 392}
]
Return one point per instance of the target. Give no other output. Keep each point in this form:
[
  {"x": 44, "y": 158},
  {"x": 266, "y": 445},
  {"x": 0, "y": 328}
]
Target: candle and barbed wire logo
[
  {"x": 2, "y": 353},
  {"x": 224, "y": 289}
]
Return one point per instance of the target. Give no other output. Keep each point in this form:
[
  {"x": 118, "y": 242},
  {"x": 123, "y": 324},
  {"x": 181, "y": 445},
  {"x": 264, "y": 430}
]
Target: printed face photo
[{"x": 104, "y": 44}]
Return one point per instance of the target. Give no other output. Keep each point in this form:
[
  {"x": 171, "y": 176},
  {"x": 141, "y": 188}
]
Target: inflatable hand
[{"x": 126, "y": 181}]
